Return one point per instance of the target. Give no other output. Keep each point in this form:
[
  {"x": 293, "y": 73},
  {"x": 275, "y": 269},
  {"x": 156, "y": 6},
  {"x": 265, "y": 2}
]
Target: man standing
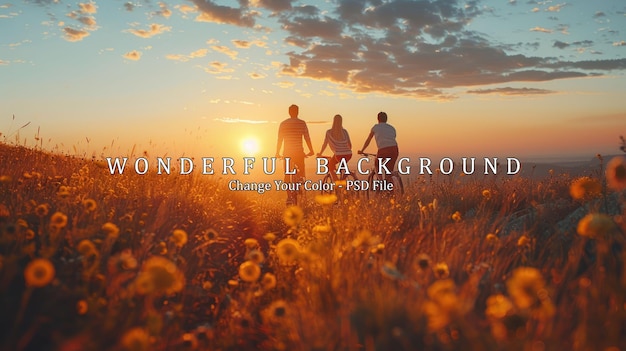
[
  {"x": 385, "y": 136},
  {"x": 291, "y": 131}
]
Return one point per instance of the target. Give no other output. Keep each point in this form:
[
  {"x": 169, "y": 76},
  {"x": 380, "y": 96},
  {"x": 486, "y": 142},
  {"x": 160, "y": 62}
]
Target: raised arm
[{"x": 367, "y": 141}]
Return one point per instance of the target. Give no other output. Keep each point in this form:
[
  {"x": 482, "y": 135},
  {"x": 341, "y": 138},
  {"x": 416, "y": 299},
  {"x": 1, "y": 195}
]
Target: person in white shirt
[{"x": 385, "y": 136}]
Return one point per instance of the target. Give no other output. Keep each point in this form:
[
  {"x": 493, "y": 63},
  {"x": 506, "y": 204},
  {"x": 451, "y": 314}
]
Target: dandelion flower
[
  {"x": 275, "y": 312},
  {"x": 86, "y": 248},
  {"x": 251, "y": 243},
  {"x": 616, "y": 173},
  {"x": 456, "y": 216},
  {"x": 39, "y": 273},
  {"x": 268, "y": 282},
  {"x": 523, "y": 241},
  {"x": 42, "y": 210},
  {"x": 326, "y": 199},
  {"x": 82, "y": 307},
  {"x": 269, "y": 237},
  {"x": 287, "y": 250},
  {"x": 293, "y": 216},
  {"x": 584, "y": 187},
  {"x": 58, "y": 220},
  {"x": 136, "y": 339},
  {"x": 249, "y": 271},
  {"x": 441, "y": 270},
  {"x": 491, "y": 238},
  {"x": 90, "y": 205},
  {"x": 64, "y": 191},
  {"x": 498, "y": 306},
  {"x": 486, "y": 194},
  {"x": 442, "y": 304},
  {"x": 256, "y": 256},
  {"x": 524, "y": 287},
  {"x": 179, "y": 237},
  {"x": 595, "y": 225},
  {"x": 111, "y": 230},
  {"x": 160, "y": 275}
]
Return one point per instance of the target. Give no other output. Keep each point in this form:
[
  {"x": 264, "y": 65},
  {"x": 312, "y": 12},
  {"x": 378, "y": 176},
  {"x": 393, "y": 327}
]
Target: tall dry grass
[{"x": 128, "y": 262}]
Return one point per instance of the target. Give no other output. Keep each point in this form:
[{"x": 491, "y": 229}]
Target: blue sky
[{"x": 473, "y": 78}]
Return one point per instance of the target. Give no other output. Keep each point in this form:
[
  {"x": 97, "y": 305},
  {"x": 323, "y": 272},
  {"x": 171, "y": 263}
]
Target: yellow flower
[
  {"x": 111, "y": 230},
  {"x": 326, "y": 199},
  {"x": 486, "y": 194},
  {"x": 584, "y": 187},
  {"x": 441, "y": 270},
  {"x": 256, "y": 256},
  {"x": 525, "y": 286},
  {"x": 275, "y": 312},
  {"x": 268, "y": 281},
  {"x": 498, "y": 306},
  {"x": 269, "y": 237},
  {"x": 82, "y": 307},
  {"x": 160, "y": 276},
  {"x": 87, "y": 248},
  {"x": 616, "y": 173},
  {"x": 39, "y": 273},
  {"x": 293, "y": 215},
  {"x": 58, "y": 220},
  {"x": 456, "y": 216},
  {"x": 64, "y": 191},
  {"x": 442, "y": 305},
  {"x": 523, "y": 241},
  {"x": 179, "y": 237},
  {"x": 211, "y": 235},
  {"x": 249, "y": 271},
  {"x": 595, "y": 225},
  {"x": 90, "y": 205},
  {"x": 287, "y": 251},
  {"x": 251, "y": 243},
  {"x": 491, "y": 238},
  {"x": 42, "y": 210},
  {"x": 136, "y": 339}
]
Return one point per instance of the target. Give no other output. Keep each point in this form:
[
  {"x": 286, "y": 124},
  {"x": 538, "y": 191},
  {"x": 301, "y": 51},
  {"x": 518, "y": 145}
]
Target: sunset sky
[{"x": 519, "y": 78}]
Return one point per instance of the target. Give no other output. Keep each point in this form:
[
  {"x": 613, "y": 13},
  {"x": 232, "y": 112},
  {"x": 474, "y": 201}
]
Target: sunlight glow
[{"x": 250, "y": 146}]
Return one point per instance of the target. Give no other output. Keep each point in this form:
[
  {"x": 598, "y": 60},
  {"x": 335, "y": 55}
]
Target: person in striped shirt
[
  {"x": 339, "y": 141},
  {"x": 291, "y": 132}
]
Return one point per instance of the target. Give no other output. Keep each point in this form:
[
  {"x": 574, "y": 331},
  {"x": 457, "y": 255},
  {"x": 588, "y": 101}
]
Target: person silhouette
[
  {"x": 338, "y": 139},
  {"x": 385, "y": 136}
]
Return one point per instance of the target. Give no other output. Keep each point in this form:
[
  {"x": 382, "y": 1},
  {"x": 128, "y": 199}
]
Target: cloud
[
  {"x": 244, "y": 44},
  {"x": 541, "y": 30},
  {"x": 88, "y": 21},
  {"x": 155, "y": 29},
  {"x": 255, "y": 75},
  {"x": 129, "y": 6},
  {"x": 185, "y": 58},
  {"x": 511, "y": 91},
  {"x": 225, "y": 50},
  {"x": 619, "y": 43},
  {"x": 417, "y": 49},
  {"x": 133, "y": 55},
  {"x": 211, "y": 12},
  {"x": 4, "y": 63},
  {"x": 239, "y": 120},
  {"x": 164, "y": 11},
  {"x": 217, "y": 67},
  {"x": 73, "y": 35},
  {"x": 555, "y": 8},
  {"x": 273, "y": 5}
]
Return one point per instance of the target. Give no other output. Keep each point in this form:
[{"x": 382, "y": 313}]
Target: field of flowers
[{"x": 93, "y": 261}]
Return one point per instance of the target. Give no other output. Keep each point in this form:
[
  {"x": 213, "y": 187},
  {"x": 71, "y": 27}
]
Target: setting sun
[{"x": 250, "y": 146}]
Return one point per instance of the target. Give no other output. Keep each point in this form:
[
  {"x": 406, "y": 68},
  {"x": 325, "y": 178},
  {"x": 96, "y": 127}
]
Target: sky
[{"x": 519, "y": 78}]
